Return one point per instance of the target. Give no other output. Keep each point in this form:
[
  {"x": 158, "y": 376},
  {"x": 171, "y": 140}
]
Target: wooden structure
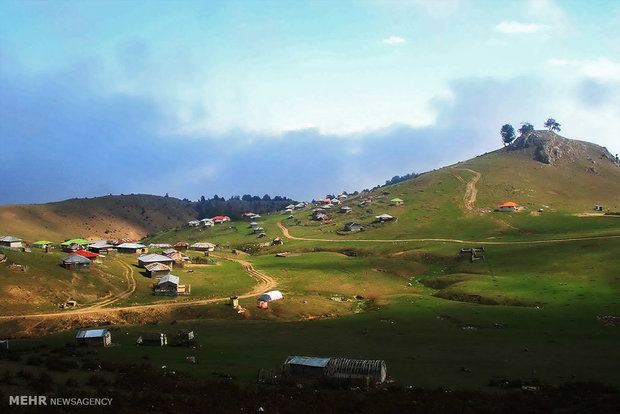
[
  {"x": 277, "y": 241},
  {"x": 508, "y": 206},
  {"x": 345, "y": 209},
  {"x": 157, "y": 270},
  {"x": 94, "y": 337},
  {"x": 384, "y": 217},
  {"x": 474, "y": 253},
  {"x": 181, "y": 246},
  {"x": 234, "y": 301},
  {"x": 42, "y": 244},
  {"x": 397, "y": 202},
  {"x": 352, "y": 226},
  {"x": 203, "y": 247},
  {"x": 135, "y": 248},
  {"x": 154, "y": 258},
  {"x": 152, "y": 339},
  {"x": 351, "y": 371}
]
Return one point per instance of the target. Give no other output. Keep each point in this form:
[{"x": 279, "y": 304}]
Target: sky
[{"x": 296, "y": 98}]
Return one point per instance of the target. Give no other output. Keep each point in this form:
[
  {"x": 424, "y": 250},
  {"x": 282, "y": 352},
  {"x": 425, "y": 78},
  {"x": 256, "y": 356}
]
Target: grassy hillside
[{"x": 108, "y": 217}]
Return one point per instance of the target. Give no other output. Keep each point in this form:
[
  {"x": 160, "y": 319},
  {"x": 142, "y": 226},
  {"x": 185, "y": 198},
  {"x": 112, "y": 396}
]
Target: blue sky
[{"x": 297, "y": 98}]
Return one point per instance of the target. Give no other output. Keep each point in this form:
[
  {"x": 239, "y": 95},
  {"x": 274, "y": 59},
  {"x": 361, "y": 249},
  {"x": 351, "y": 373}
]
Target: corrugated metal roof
[
  {"x": 43, "y": 242},
  {"x": 75, "y": 258},
  {"x": 91, "y": 333},
  {"x": 10, "y": 239},
  {"x": 131, "y": 246},
  {"x": 307, "y": 361},
  {"x": 156, "y": 267},
  {"x": 74, "y": 241},
  {"x": 169, "y": 278},
  {"x": 151, "y": 258}
]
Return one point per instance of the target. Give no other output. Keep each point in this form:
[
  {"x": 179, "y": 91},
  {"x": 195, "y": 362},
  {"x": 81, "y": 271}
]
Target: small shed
[
  {"x": 94, "y": 337},
  {"x": 186, "y": 335},
  {"x": 157, "y": 270},
  {"x": 384, "y": 217},
  {"x": 253, "y": 224},
  {"x": 397, "y": 202},
  {"x": 10, "y": 241},
  {"x": 154, "y": 258},
  {"x": 354, "y": 371},
  {"x": 75, "y": 262},
  {"x": 306, "y": 367},
  {"x": 193, "y": 223},
  {"x": 277, "y": 241},
  {"x": 352, "y": 226},
  {"x": 132, "y": 248},
  {"x": 159, "y": 246},
  {"x": 258, "y": 230},
  {"x": 345, "y": 209},
  {"x": 152, "y": 339},
  {"x": 508, "y": 206},
  {"x": 271, "y": 296}
]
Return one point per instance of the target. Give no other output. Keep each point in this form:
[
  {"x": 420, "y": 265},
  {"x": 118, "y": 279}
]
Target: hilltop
[{"x": 108, "y": 217}]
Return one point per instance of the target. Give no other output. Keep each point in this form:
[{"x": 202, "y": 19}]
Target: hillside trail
[
  {"x": 471, "y": 191},
  {"x": 287, "y": 234},
  {"x": 265, "y": 283}
]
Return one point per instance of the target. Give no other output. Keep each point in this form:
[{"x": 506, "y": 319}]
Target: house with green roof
[
  {"x": 397, "y": 202},
  {"x": 42, "y": 244},
  {"x": 74, "y": 245}
]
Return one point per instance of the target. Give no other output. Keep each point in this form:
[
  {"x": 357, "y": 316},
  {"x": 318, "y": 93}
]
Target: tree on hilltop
[
  {"x": 526, "y": 128},
  {"x": 508, "y": 134},
  {"x": 552, "y": 125}
]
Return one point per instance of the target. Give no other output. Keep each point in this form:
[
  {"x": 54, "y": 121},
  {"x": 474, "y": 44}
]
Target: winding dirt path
[
  {"x": 287, "y": 234},
  {"x": 471, "y": 191},
  {"x": 265, "y": 283}
]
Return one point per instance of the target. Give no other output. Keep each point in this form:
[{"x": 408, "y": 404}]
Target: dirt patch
[{"x": 22, "y": 295}]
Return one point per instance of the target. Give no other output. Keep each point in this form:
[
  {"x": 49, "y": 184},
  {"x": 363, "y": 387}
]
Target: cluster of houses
[{"x": 208, "y": 222}]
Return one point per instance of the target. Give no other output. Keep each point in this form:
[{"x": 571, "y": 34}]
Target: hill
[{"x": 109, "y": 217}]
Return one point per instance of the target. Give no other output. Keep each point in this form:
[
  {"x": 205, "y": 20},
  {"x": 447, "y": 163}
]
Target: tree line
[{"x": 507, "y": 132}]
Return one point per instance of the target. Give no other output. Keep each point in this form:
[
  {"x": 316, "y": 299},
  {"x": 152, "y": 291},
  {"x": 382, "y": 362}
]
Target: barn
[
  {"x": 354, "y": 371},
  {"x": 154, "y": 258},
  {"x": 157, "y": 270},
  {"x": 75, "y": 262},
  {"x": 10, "y": 241},
  {"x": 271, "y": 296},
  {"x": 94, "y": 337}
]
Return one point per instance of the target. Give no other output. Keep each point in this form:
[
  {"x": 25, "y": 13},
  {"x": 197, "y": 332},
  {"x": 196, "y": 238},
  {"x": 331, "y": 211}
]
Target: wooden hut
[
  {"x": 42, "y": 244},
  {"x": 154, "y": 258},
  {"x": 135, "y": 248},
  {"x": 94, "y": 337},
  {"x": 157, "y": 270},
  {"x": 352, "y": 226},
  {"x": 167, "y": 286},
  {"x": 203, "y": 247},
  {"x": 181, "y": 246},
  {"x": 397, "y": 202},
  {"x": 10, "y": 241}
]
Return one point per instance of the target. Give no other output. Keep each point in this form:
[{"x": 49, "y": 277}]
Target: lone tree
[
  {"x": 526, "y": 128},
  {"x": 508, "y": 134},
  {"x": 552, "y": 125}
]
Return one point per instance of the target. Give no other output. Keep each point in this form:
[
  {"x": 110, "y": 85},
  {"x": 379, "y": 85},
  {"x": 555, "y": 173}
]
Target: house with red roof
[
  {"x": 220, "y": 219},
  {"x": 508, "y": 206},
  {"x": 89, "y": 255}
]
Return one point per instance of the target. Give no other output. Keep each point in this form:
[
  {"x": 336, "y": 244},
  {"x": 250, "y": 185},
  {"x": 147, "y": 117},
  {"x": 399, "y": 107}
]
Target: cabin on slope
[
  {"x": 397, "y": 202},
  {"x": 75, "y": 262},
  {"x": 135, "y": 248},
  {"x": 147, "y": 259},
  {"x": 10, "y": 241},
  {"x": 157, "y": 270},
  {"x": 42, "y": 244},
  {"x": 508, "y": 206}
]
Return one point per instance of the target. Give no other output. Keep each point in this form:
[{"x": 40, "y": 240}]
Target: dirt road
[
  {"x": 264, "y": 284},
  {"x": 286, "y": 234}
]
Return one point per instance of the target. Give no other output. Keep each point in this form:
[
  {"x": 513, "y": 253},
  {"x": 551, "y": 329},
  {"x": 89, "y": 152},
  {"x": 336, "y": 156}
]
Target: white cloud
[
  {"x": 558, "y": 62},
  {"x": 552, "y": 14},
  {"x": 517, "y": 27},
  {"x": 602, "y": 69},
  {"x": 392, "y": 40}
]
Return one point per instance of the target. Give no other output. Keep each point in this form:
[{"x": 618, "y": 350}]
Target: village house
[
  {"x": 508, "y": 206},
  {"x": 74, "y": 245},
  {"x": 181, "y": 246},
  {"x": 135, "y": 248},
  {"x": 397, "y": 202},
  {"x": 335, "y": 201},
  {"x": 384, "y": 217},
  {"x": 257, "y": 230},
  {"x": 177, "y": 256},
  {"x": 159, "y": 246},
  {"x": 167, "y": 286},
  {"x": 152, "y": 339},
  {"x": 157, "y": 270},
  {"x": 100, "y": 246},
  {"x": 288, "y": 211},
  {"x": 94, "y": 337},
  {"x": 253, "y": 224},
  {"x": 203, "y": 247},
  {"x": 89, "y": 255},
  {"x": 207, "y": 222},
  {"x": 290, "y": 206},
  {"x": 42, "y": 244},
  {"x": 154, "y": 258},
  {"x": 351, "y": 226},
  {"x": 75, "y": 262},
  {"x": 193, "y": 223},
  {"x": 345, "y": 209},
  {"x": 10, "y": 241},
  {"x": 277, "y": 241},
  {"x": 220, "y": 219}
]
